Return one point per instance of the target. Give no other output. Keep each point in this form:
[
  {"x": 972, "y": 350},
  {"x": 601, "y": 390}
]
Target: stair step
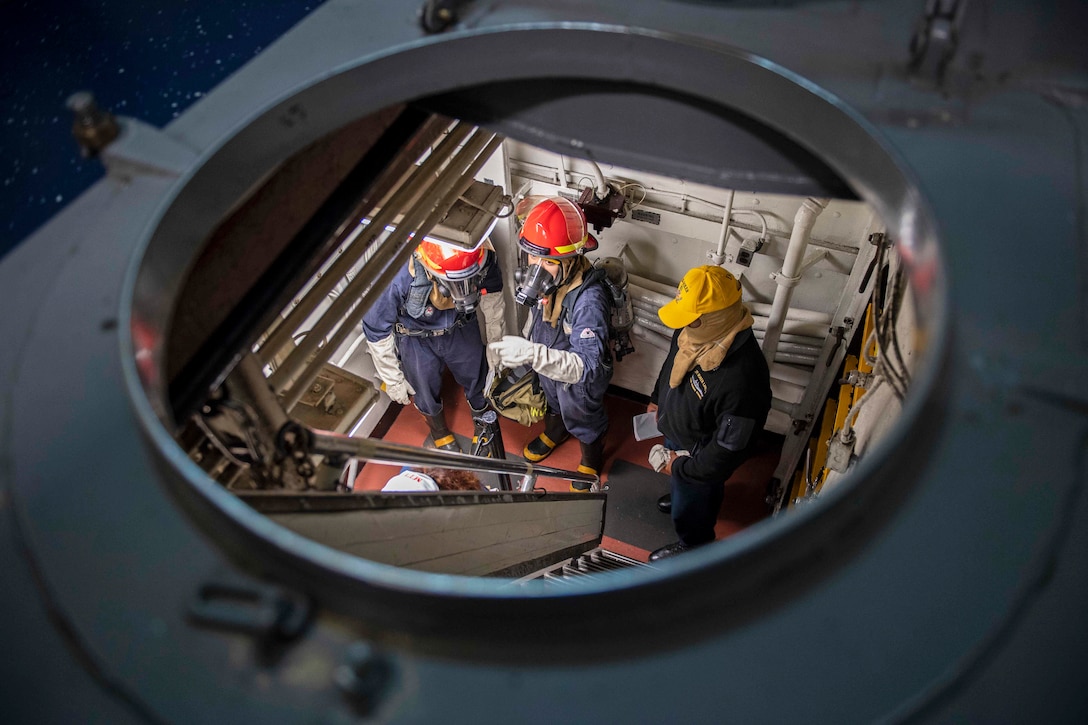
[{"x": 596, "y": 561}]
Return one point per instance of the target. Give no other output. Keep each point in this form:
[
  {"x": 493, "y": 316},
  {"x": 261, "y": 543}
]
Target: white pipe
[
  {"x": 685, "y": 197},
  {"x": 640, "y": 304},
  {"x": 799, "y": 348},
  {"x": 717, "y": 257},
  {"x": 762, "y": 220},
  {"x": 640, "y": 288},
  {"x": 807, "y": 346},
  {"x": 648, "y": 284},
  {"x": 816, "y": 342},
  {"x": 788, "y": 277},
  {"x": 653, "y": 324},
  {"x": 804, "y": 329},
  {"x": 602, "y": 184},
  {"x": 809, "y": 350},
  {"x": 648, "y": 296},
  {"x": 563, "y": 172},
  {"x": 655, "y": 337},
  {"x": 651, "y": 337},
  {"x": 762, "y": 309},
  {"x": 646, "y": 315},
  {"x": 794, "y": 359},
  {"x": 798, "y": 355},
  {"x": 651, "y": 303}
]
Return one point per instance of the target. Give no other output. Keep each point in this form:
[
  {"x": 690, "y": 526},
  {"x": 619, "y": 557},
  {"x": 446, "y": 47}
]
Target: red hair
[{"x": 449, "y": 479}]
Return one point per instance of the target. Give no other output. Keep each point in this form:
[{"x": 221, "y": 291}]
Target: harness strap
[
  {"x": 591, "y": 276},
  {"x": 461, "y": 322}
]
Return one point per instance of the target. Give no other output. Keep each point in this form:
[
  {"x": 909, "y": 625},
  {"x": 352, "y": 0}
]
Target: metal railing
[{"x": 402, "y": 455}]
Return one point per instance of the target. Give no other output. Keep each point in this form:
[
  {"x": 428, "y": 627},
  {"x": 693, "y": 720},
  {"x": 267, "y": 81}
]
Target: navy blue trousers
[
  {"x": 580, "y": 404},
  {"x": 695, "y": 508},
  {"x": 423, "y": 360}
]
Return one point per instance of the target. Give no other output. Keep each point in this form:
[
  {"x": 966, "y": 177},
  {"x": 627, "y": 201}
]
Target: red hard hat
[
  {"x": 451, "y": 262},
  {"x": 556, "y": 228}
]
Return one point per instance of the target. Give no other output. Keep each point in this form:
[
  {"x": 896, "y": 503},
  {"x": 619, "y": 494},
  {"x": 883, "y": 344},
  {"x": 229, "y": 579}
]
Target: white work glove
[
  {"x": 493, "y": 307},
  {"x": 561, "y": 366},
  {"x": 384, "y": 354},
  {"x": 660, "y": 457},
  {"x": 399, "y": 392}
]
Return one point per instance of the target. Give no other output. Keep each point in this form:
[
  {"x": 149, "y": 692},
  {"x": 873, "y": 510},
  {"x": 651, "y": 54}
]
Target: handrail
[{"x": 328, "y": 443}]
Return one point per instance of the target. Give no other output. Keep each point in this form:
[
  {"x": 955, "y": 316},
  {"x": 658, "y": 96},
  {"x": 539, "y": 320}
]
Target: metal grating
[{"x": 597, "y": 561}]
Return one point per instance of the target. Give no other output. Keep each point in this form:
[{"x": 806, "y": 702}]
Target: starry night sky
[{"x": 146, "y": 59}]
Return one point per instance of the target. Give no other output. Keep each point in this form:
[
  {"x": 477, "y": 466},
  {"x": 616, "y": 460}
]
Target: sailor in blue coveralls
[
  {"x": 568, "y": 343},
  {"x": 712, "y": 398},
  {"x": 426, "y": 321}
]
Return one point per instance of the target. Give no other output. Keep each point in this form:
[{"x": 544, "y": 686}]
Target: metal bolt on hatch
[
  {"x": 92, "y": 127},
  {"x": 364, "y": 676}
]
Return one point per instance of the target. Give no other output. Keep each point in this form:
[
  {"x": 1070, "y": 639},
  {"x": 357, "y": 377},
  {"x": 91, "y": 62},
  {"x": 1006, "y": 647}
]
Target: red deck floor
[{"x": 745, "y": 492}]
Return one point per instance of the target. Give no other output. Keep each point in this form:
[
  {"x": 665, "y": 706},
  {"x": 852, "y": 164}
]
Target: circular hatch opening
[{"x": 530, "y": 101}]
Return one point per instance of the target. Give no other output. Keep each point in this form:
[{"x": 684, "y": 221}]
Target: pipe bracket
[{"x": 784, "y": 280}]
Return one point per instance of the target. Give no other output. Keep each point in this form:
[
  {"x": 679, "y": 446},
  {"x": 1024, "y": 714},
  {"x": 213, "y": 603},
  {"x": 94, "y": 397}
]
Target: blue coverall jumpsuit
[
  {"x": 434, "y": 340},
  {"x": 583, "y": 330}
]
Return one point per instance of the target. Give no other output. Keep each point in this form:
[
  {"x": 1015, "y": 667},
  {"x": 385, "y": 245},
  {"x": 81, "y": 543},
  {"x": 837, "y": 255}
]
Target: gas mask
[
  {"x": 465, "y": 293},
  {"x": 534, "y": 282}
]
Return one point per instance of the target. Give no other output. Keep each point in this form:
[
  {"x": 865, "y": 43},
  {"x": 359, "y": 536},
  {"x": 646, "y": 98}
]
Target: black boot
[
  {"x": 441, "y": 436},
  {"x": 555, "y": 432},
  {"x": 592, "y": 462}
]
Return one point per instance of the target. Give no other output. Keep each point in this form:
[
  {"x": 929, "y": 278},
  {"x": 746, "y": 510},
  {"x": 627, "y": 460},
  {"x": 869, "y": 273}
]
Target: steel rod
[
  {"x": 386, "y": 261},
  {"x": 398, "y": 454},
  {"x": 453, "y": 190},
  {"x": 405, "y": 195}
]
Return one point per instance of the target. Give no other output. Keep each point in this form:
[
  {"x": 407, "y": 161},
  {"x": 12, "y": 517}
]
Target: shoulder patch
[{"x": 587, "y": 333}]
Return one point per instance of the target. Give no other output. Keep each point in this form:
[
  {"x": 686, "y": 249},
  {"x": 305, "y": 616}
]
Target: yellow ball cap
[{"x": 703, "y": 289}]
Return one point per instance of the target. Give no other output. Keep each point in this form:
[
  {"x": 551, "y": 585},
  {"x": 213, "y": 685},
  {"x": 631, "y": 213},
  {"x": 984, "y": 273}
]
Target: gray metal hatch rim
[{"x": 900, "y": 203}]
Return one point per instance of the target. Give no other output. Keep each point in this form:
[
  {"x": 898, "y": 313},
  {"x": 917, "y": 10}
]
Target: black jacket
[{"x": 714, "y": 414}]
